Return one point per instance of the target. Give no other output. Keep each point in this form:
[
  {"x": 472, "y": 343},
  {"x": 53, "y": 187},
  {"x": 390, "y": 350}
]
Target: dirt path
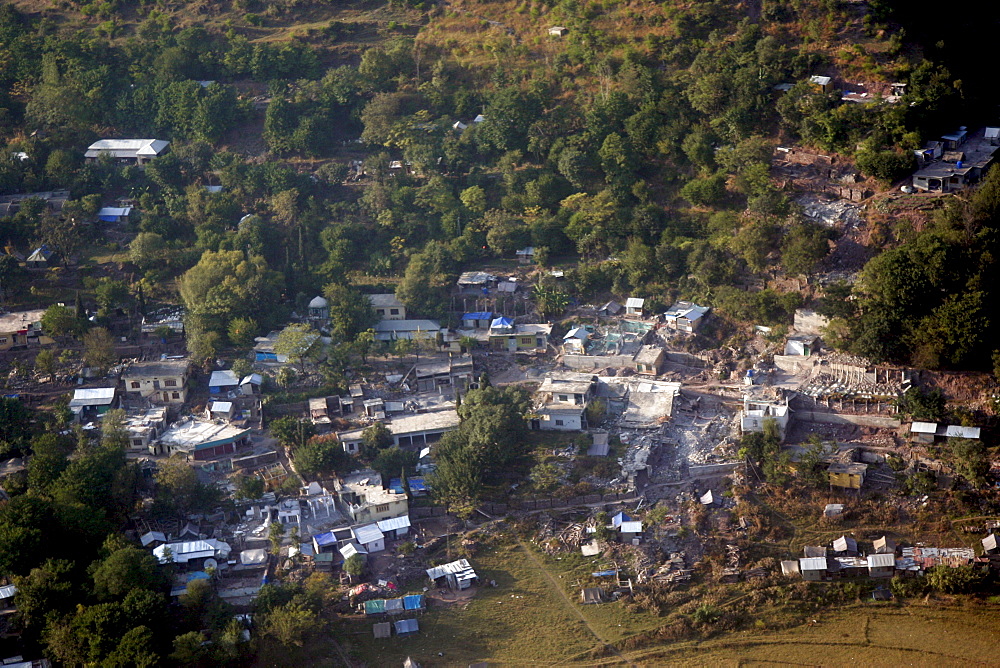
[{"x": 569, "y": 603}]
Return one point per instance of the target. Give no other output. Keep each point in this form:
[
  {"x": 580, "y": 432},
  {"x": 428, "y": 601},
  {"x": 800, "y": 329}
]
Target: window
[
  {"x": 380, "y": 311},
  {"x": 3, "y": 339},
  {"x": 170, "y": 383},
  {"x": 176, "y": 395},
  {"x": 559, "y": 423},
  {"x": 394, "y": 311},
  {"x": 563, "y": 397},
  {"x": 135, "y": 385},
  {"x": 526, "y": 340},
  {"x": 137, "y": 442},
  {"x": 382, "y": 508}
]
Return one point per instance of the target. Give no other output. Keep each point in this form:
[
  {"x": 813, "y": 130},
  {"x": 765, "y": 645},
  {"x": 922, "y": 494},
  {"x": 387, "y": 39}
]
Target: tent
[
  {"x": 382, "y": 630},
  {"x": 414, "y": 602},
  {"x": 406, "y": 627},
  {"x": 394, "y": 605},
  {"x": 375, "y": 607}
]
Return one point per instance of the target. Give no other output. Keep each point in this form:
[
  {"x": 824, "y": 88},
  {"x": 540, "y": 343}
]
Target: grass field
[{"x": 533, "y": 617}]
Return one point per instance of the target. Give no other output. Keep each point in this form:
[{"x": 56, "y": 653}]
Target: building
[
  {"x": 422, "y": 429},
  {"x": 90, "y": 403},
  {"x": 222, "y": 410},
  {"x": 114, "y": 214},
  {"x": 558, "y": 31},
  {"x": 41, "y": 258},
  {"x": 801, "y": 344},
  {"x": 611, "y": 309},
  {"x": 634, "y": 307},
  {"x": 649, "y": 360},
  {"x": 821, "y": 84},
  {"x": 455, "y": 372},
  {"x": 561, "y": 402},
  {"x": 126, "y": 151},
  {"x": 163, "y": 382},
  {"x": 923, "y": 432},
  {"x": 395, "y": 527},
  {"x": 962, "y": 161},
  {"x": 387, "y": 307},
  {"x": 144, "y": 427},
  {"x": 685, "y": 316},
  {"x": 526, "y": 255},
  {"x": 505, "y": 336},
  {"x": 415, "y": 330},
  {"x": 630, "y": 532},
  {"x": 201, "y": 440},
  {"x": 847, "y": 476},
  {"x": 194, "y": 554},
  {"x": 370, "y": 538},
  {"x": 455, "y": 575},
  {"x": 20, "y": 329},
  {"x": 223, "y": 382},
  {"x": 881, "y": 565},
  {"x": 366, "y": 500},
  {"x": 756, "y": 412},
  {"x": 318, "y": 310},
  {"x": 592, "y": 596},
  {"x": 926, "y": 433},
  {"x": 54, "y": 200},
  {"x": 172, "y": 319},
  {"x": 884, "y": 545},
  {"x": 813, "y": 568},
  {"x": 263, "y": 349},
  {"x": 477, "y": 320},
  {"x": 476, "y": 280},
  {"x": 575, "y": 341},
  {"x": 990, "y": 544},
  {"x": 845, "y": 546}
]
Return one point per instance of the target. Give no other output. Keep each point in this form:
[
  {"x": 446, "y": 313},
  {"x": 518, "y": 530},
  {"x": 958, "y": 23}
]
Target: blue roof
[
  {"x": 323, "y": 539},
  {"x": 478, "y": 315},
  {"x": 417, "y": 484},
  {"x": 198, "y": 575},
  {"x": 406, "y": 626},
  {"x": 502, "y": 322},
  {"x": 413, "y": 602},
  {"x": 617, "y": 520}
]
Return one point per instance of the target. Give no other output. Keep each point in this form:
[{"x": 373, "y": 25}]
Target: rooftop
[
  {"x": 157, "y": 369},
  {"x": 688, "y": 310},
  {"x": 191, "y": 434},
  {"x": 383, "y": 300},
  {"x": 127, "y": 147},
  {"x": 648, "y": 355},
  {"x": 20, "y": 320},
  {"x": 223, "y": 378},
  {"x": 93, "y": 396},
  {"x": 447, "y": 419}
]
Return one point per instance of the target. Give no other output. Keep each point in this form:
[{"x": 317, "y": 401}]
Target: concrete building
[
  {"x": 144, "y": 427},
  {"x": 387, "y": 307},
  {"x": 415, "y": 330},
  {"x": 366, "y": 500},
  {"x": 454, "y": 373},
  {"x": 504, "y": 335},
  {"x": 201, "y": 440},
  {"x": 881, "y": 565},
  {"x": 162, "y": 382},
  {"x": 561, "y": 402},
  {"x": 649, "y": 360},
  {"x": 422, "y": 429},
  {"x": 964, "y": 160},
  {"x": 20, "y": 329},
  {"x": 634, "y": 307},
  {"x": 756, "y": 411},
  {"x": 813, "y": 568}
]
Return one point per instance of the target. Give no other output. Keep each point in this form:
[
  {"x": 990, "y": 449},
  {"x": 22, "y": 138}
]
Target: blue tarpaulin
[
  {"x": 502, "y": 322},
  {"x": 604, "y": 574},
  {"x": 417, "y": 485},
  {"x": 413, "y": 602},
  {"x": 478, "y": 315}
]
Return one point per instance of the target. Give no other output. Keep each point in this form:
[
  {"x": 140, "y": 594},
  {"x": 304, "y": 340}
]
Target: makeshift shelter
[
  {"x": 600, "y": 447},
  {"x": 885, "y": 545},
  {"x": 405, "y": 627},
  {"x": 591, "y": 595},
  {"x": 382, "y": 629},
  {"x": 375, "y": 606},
  {"x": 457, "y": 574},
  {"x": 394, "y": 606},
  {"x": 414, "y": 602}
]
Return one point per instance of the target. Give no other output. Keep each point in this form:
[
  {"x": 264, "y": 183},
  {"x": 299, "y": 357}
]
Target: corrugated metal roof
[
  {"x": 631, "y": 527},
  {"x": 453, "y": 567},
  {"x": 923, "y": 427},
  {"x": 221, "y": 406},
  {"x": 7, "y": 591},
  {"x": 368, "y": 534},
  {"x": 93, "y": 396},
  {"x": 151, "y": 537},
  {"x": 223, "y": 378},
  {"x": 955, "y": 431},
  {"x": 881, "y": 560},
  {"x": 634, "y": 302},
  {"x": 618, "y": 518},
  {"x": 478, "y": 315},
  {"x": 254, "y": 378},
  {"x": 812, "y": 564},
  {"x": 393, "y": 523},
  {"x": 253, "y": 557},
  {"x": 185, "y": 551}
]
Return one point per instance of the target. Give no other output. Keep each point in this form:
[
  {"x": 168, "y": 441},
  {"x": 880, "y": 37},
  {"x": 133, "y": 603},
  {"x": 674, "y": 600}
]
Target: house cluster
[
  {"x": 152, "y": 393},
  {"x": 885, "y": 559},
  {"x": 956, "y": 160}
]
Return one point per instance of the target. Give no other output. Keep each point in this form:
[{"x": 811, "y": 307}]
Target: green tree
[
  {"x": 99, "y": 349},
  {"x": 127, "y": 569},
  {"x": 803, "y": 247},
  {"x": 322, "y": 456},
  {"x": 395, "y": 462},
  {"x": 354, "y": 565},
  {"x": 242, "y": 332},
  {"x": 292, "y": 431},
  {"x": 375, "y": 438},
  {"x": 110, "y": 295},
  {"x": 292, "y": 624},
  {"x": 147, "y": 250},
  {"x": 60, "y": 320},
  {"x": 424, "y": 286},
  {"x": 226, "y": 285},
  {"x": 351, "y": 312},
  {"x": 249, "y": 487},
  {"x": 299, "y": 342},
  {"x": 971, "y": 460},
  {"x": 45, "y": 594},
  {"x": 545, "y": 476}
]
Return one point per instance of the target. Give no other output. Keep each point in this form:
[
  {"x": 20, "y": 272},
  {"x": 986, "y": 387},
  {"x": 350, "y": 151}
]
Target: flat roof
[
  {"x": 194, "y": 434},
  {"x": 647, "y": 355},
  {"x": 20, "y": 320},
  {"x": 384, "y": 299},
  {"x": 157, "y": 368},
  {"x": 407, "y": 424},
  {"x": 223, "y": 378},
  {"x": 93, "y": 396},
  {"x": 812, "y": 564},
  {"x": 881, "y": 560},
  {"x": 923, "y": 427},
  {"x": 955, "y": 431},
  {"x": 407, "y": 326},
  {"x": 128, "y": 146}
]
